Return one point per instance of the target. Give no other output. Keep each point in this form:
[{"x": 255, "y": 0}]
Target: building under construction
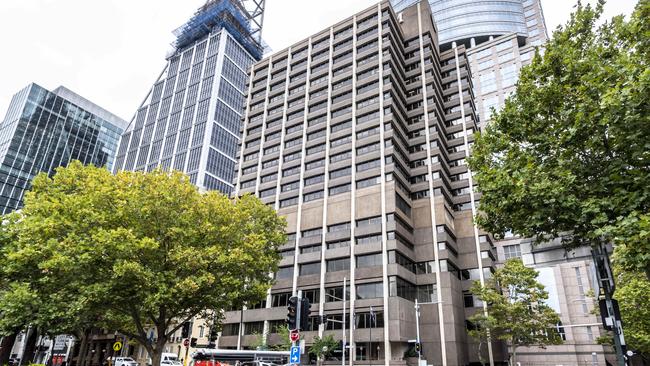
[{"x": 190, "y": 119}]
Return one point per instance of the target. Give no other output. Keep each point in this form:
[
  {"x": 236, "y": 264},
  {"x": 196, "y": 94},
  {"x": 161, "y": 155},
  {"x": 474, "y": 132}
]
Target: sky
[{"x": 112, "y": 51}]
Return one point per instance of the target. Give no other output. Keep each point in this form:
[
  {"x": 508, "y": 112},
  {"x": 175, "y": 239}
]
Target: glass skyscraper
[
  {"x": 191, "y": 118},
  {"x": 43, "y": 130}
]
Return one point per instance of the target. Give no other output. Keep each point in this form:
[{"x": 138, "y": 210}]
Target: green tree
[
  {"x": 633, "y": 295},
  {"x": 323, "y": 347},
  {"x": 517, "y": 311},
  {"x": 285, "y": 341},
  {"x": 135, "y": 251},
  {"x": 569, "y": 154}
]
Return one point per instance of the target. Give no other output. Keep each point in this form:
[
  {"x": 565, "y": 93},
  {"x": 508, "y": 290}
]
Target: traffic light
[
  {"x": 305, "y": 310},
  {"x": 418, "y": 348},
  {"x": 193, "y": 342},
  {"x": 292, "y": 312},
  {"x": 185, "y": 330}
]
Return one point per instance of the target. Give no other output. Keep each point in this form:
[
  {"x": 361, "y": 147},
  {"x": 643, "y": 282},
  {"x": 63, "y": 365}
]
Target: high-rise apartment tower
[
  {"x": 190, "y": 120},
  {"x": 358, "y": 136},
  {"x": 43, "y": 130}
]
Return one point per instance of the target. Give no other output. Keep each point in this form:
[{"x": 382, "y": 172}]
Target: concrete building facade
[
  {"x": 43, "y": 130},
  {"x": 358, "y": 136}
]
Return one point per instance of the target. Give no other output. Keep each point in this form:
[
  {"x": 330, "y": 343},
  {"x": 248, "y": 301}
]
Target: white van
[{"x": 170, "y": 359}]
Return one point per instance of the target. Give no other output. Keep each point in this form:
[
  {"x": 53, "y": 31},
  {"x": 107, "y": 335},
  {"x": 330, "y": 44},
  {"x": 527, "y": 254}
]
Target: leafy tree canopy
[
  {"x": 323, "y": 347},
  {"x": 570, "y": 151},
  {"x": 517, "y": 311},
  {"x": 134, "y": 251},
  {"x": 633, "y": 295}
]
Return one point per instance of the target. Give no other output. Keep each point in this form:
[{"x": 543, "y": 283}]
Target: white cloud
[{"x": 111, "y": 51}]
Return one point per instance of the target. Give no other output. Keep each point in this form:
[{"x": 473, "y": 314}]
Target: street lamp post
[{"x": 344, "y": 299}]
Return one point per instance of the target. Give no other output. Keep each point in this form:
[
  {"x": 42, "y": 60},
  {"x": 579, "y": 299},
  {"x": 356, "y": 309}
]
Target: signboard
[
  {"x": 295, "y": 336},
  {"x": 60, "y": 344},
  {"x": 186, "y": 342},
  {"x": 117, "y": 346},
  {"x": 295, "y": 355}
]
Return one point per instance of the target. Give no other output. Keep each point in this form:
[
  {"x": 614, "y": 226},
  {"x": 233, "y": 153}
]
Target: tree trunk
[
  {"x": 159, "y": 347},
  {"x": 480, "y": 353},
  {"x": 5, "y": 347},
  {"x": 30, "y": 346},
  {"x": 83, "y": 347}
]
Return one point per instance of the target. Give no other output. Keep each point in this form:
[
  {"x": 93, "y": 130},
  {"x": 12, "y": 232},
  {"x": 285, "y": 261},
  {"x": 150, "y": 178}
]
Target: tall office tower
[
  {"x": 500, "y": 36},
  {"x": 190, "y": 120},
  {"x": 358, "y": 136},
  {"x": 43, "y": 130}
]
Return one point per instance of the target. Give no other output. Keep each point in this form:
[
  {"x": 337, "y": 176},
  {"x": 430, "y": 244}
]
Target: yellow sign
[{"x": 117, "y": 346}]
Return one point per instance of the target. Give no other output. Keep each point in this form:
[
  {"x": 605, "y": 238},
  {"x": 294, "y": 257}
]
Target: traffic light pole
[{"x": 606, "y": 281}]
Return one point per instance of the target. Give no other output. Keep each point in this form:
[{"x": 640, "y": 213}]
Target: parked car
[
  {"x": 170, "y": 359},
  {"x": 121, "y": 361}
]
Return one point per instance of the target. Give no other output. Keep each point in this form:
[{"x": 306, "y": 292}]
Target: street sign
[
  {"x": 186, "y": 342},
  {"x": 295, "y": 336},
  {"x": 295, "y": 355},
  {"x": 117, "y": 346}
]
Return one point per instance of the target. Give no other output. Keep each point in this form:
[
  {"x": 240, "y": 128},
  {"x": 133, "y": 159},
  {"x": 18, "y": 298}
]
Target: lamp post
[{"x": 344, "y": 299}]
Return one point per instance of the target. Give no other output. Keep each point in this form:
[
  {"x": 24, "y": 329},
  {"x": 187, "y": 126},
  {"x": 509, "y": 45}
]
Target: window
[
  {"x": 340, "y": 157},
  {"x": 338, "y": 227},
  {"x": 314, "y": 180},
  {"x": 281, "y": 299},
  {"x": 512, "y": 251},
  {"x": 310, "y": 249},
  {"x": 399, "y": 258},
  {"x": 289, "y": 202},
  {"x": 340, "y": 173},
  {"x": 369, "y": 260},
  {"x": 340, "y": 189},
  {"x": 341, "y": 264},
  {"x": 311, "y": 233},
  {"x": 314, "y": 164},
  {"x": 290, "y": 187},
  {"x": 312, "y": 196},
  {"x": 335, "y": 294},
  {"x": 338, "y": 244},
  {"x": 488, "y": 82},
  {"x": 368, "y": 165},
  {"x": 397, "y": 287},
  {"x": 275, "y": 325},
  {"x": 284, "y": 272},
  {"x": 509, "y": 75},
  {"x": 369, "y": 239},
  {"x": 370, "y": 291},
  {"x": 312, "y": 295},
  {"x": 376, "y": 220},
  {"x": 253, "y": 328},
  {"x": 290, "y": 171},
  {"x": 368, "y": 182},
  {"x": 427, "y": 293},
  {"x": 369, "y": 320},
  {"x": 287, "y": 253},
  {"x": 309, "y": 268},
  {"x": 230, "y": 329}
]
